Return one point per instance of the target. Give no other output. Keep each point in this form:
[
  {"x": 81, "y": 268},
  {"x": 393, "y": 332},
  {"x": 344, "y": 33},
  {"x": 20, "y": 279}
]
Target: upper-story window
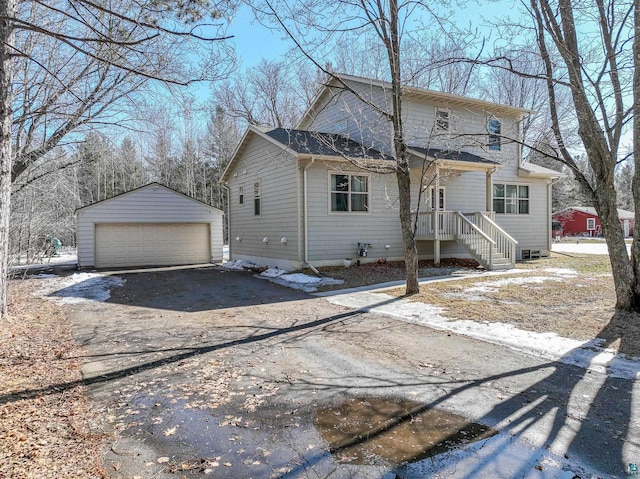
[
  {"x": 349, "y": 193},
  {"x": 511, "y": 199},
  {"x": 241, "y": 195},
  {"x": 494, "y": 128},
  {"x": 443, "y": 119}
]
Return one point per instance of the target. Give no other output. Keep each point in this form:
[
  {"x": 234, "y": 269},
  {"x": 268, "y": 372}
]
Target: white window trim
[
  {"x": 349, "y": 213},
  {"x": 591, "y": 221},
  {"x": 241, "y": 194},
  {"x": 444, "y": 198},
  {"x": 528, "y": 185},
  {"x": 437, "y": 127}
]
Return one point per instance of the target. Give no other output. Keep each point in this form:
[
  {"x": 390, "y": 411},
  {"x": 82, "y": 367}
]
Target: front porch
[{"x": 481, "y": 236}]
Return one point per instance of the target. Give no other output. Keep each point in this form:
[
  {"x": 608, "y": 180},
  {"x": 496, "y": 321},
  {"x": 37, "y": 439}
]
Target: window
[
  {"x": 349, "y": 193},
  {"x": 511, "y": 199},
  {"x": 256, "y": 199},
  {"x": 494, "y": 128},
  {"x": 432, "y": 198},
  {"x": 241, "y": 195},
  {"x": 442, "y": 119},
  {"x": 591, "y": 224}
]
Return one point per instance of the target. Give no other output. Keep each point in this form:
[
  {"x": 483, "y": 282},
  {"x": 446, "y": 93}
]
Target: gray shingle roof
[
  {"x": 327, "y": 144},
  {"x": 442, "y": 154}
]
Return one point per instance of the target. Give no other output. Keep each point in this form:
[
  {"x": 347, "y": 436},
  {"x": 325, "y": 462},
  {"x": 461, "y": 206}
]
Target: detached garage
[{"x": 150, "y": 226}]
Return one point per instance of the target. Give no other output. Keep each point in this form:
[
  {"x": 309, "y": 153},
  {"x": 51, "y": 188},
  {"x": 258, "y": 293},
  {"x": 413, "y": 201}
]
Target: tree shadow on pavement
[{"x": 576, "y": 413}]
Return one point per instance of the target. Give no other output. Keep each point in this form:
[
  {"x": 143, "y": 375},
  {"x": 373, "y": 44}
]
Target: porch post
[
  {"x": 436, "y": 226},
  {"x": 489, "y": 191}
]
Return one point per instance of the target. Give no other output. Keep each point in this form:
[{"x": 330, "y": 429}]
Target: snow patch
[
  {"x": 588, "y": 355},
  {"x": 273, "y": 272},
  {"x": 303, "y": 282},
  {"x": 79, "y": 288},
  {"x": 568, "y": 272},
  {"x": 239, "y": 265}
]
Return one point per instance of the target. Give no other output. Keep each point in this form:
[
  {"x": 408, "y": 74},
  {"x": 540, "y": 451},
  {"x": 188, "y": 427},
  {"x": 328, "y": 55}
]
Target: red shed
[{"x": 584, "y": 221}]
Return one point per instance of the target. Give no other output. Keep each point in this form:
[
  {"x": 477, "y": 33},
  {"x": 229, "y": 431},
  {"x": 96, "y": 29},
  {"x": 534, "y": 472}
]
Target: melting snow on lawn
[
  {"x": 586, "y": 354},
  {"x": 79, "y": 288}
]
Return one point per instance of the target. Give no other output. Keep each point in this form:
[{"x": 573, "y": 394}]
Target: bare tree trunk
[
  {"x": 635, "y": 245},
  {"x": 623, "y": 279},
  {"x": 403, "y": 171},
  {"x": 7, "y": 11}
]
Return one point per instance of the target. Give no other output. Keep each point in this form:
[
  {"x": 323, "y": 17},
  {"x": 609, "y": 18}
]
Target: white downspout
[
  {"x": 305, "y": 217},
  {"x": 228, "y": 214},
  {"x": 550, "y": 215}
]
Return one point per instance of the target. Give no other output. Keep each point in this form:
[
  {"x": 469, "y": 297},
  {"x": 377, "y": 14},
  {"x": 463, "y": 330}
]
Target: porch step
[{"x": 499, "y": 260}]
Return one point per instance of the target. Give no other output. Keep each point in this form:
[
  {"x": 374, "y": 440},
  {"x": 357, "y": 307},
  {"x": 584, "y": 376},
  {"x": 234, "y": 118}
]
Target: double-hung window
[
  {"x": 241, "y": 195},
  {"x": 495, "y": 129},
  {"x": 511, "y": 199},
  {"x": 349, "y": 193},
  {"x": 591, "y": 224}
]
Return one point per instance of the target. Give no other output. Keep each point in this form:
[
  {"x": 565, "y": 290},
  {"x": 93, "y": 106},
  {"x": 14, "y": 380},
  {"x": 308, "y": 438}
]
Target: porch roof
[{"x": 456, "y": 159}]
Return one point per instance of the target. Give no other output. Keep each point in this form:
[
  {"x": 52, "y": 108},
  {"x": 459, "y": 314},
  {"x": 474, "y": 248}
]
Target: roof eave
[{"x": 524, "y": 173}]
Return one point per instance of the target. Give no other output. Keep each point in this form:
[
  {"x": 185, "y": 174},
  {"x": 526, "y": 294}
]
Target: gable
[{"x": 141, "y": 195}]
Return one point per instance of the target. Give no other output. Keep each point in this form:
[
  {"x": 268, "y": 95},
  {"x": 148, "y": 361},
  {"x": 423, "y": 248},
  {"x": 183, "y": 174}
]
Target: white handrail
[
  {"x": 496, "y": 226},
  {"x": 475, "y": 227}
]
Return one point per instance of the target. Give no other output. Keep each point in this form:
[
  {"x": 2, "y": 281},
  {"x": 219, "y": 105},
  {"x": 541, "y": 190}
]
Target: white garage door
[{"x": 153, "y": 244}]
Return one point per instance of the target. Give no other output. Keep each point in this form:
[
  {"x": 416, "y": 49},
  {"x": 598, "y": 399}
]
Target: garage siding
[{"x": 152, "y": 204}]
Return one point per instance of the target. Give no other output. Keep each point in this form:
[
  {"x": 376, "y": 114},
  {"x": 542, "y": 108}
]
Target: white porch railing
[{"x": 478, "y": 232}]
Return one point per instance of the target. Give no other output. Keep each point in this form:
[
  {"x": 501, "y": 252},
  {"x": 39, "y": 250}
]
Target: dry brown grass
[
  {"x": 580, "y": 306},
  {"x": 44, "y": 434}
]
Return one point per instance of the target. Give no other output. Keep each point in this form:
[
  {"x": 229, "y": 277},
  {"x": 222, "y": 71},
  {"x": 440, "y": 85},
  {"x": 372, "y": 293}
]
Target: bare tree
[
  {"x": 323, "y": 25},
  {"x": 267, "y": 94},
  {"x": 67, "y": 64},
  {"x": 596, "y": 69}
]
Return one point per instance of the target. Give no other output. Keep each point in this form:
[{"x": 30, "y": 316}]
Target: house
[
  {"x": 584, "y": 221},
  {"x": 325, "y": 191},
  {"x": 149, "y": 226}
]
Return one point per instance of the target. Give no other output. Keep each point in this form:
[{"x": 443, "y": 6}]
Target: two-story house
[{"x": 325, "y": 191}]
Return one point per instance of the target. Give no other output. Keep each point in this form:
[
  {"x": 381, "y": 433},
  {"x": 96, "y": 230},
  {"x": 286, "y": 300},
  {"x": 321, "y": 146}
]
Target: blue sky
[{"x": 252, "y": 40}]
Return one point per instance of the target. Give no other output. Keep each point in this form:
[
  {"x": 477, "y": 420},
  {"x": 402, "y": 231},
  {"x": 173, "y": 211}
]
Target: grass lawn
[{"x": 571, "y": 295}]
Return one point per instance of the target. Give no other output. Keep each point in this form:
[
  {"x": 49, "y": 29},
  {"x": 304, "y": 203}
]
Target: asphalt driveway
[{"x": 213, "y": 373}]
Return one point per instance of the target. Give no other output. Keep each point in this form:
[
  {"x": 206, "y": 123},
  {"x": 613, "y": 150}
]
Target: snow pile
[
  {"x": 79, "y": 288},
  {"x": 303, "y": 282},
  {"x": 239, "y": 265},
  {"x": 273, "y": 272}
]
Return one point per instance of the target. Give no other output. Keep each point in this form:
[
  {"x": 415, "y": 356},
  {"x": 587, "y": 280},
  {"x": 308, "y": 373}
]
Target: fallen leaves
[
  {"x": 170, "y": 431},
  {"x": 46, "y": 421}
]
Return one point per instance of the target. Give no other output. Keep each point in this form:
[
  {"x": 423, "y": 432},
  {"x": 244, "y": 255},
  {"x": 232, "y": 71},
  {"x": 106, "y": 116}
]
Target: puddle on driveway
[{"x": 366, "y": 430}]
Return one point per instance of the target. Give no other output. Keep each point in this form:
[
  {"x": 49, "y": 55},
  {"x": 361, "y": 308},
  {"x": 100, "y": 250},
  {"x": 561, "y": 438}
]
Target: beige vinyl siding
[
  {"x": 468, "y": 130},
  {"x": 532, "y": 230},
  {"x": 150, "y": 204},
  {"x": 333, "y": 236},
  {"x": 360, "y": 122},
  {"x": 276, "y": 170}
]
